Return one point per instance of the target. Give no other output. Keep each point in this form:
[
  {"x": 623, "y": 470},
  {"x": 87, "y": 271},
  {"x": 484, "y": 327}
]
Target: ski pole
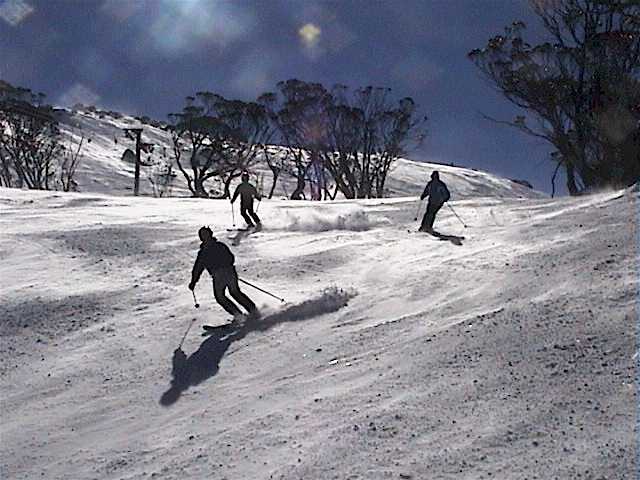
[
  {"x": 454, "y": 212},
  {"x": 185, "y": 333},
  {"x": 259, "y": 191},
  {"x": 195, "y": 302},
  {"x": 263, "y": 291},
  {"x": 233, "y": 214},
  {"x": 418, "y": 212}
]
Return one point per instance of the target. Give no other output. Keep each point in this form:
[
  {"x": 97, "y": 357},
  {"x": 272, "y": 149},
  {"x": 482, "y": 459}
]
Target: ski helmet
[
  {"x": 245, "y": 176},
  {"x": 435, "y": 175}
]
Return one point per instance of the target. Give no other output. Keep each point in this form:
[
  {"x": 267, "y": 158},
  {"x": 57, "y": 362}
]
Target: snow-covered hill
[
  {"x": 508, "y": 353},
  {"x": 102, "y": 169}
]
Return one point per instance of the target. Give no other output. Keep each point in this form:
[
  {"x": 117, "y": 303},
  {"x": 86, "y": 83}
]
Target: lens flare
[
  {"x": 310, "y": 35},
  {"x": 179, "y": 26},
  {"x": 15, "y": 12}
]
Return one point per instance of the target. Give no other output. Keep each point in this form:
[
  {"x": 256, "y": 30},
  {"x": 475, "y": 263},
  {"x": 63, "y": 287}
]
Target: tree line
[
  {"x": 336, "y": 140},
  {"x": 327, "y": 140}
]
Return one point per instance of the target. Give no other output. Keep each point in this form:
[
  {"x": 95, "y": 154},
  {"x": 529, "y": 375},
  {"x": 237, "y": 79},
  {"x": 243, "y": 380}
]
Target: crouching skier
[{"x": 216, "y": 257}]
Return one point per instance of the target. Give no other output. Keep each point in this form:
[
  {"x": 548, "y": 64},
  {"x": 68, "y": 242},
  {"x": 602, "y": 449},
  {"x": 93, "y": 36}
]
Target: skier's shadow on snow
[
  {"x": 204, "y": 363},
  {"x": 456, "y": 240},
  {"x": 242, "y": 234},
  {"x": 238, "y": 237}
]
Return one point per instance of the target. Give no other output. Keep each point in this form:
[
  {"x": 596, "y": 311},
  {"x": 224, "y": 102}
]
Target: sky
[{"x": 144, "y": 57}]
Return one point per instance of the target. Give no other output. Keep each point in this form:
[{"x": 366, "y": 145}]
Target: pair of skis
[
  {"x": 247, "y": 229},
  {"x": 210, "y": 329},
  {"x": 235, "y": 323}
]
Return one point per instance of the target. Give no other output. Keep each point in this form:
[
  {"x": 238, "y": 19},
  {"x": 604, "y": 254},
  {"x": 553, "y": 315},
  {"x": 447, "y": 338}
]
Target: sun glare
[{"x": 310, "y": 34}]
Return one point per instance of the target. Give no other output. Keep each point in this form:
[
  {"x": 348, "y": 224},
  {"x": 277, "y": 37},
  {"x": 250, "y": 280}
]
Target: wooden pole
[
  {"x": 136, "y": 178},
  {"x": 136, "y": 181}
]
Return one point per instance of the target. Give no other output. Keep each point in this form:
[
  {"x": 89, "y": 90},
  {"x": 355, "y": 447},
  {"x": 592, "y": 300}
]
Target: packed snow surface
[{"x": 502, "y": 350}]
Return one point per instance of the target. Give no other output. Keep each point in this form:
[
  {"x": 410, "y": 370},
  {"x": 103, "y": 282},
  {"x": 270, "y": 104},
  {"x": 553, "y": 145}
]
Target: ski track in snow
[{"x": 396, "y": 355}]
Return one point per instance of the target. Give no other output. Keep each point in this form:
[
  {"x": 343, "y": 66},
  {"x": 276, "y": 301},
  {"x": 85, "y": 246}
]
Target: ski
[
  {"x": 210, "y": 329},
  {"x": 230, "y": 323},
  {"x": 215, "y": 327},
  {"x": 247, "y": 229}
]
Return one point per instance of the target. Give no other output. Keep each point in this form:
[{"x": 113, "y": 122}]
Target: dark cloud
[{"x": 147, "y": 55}]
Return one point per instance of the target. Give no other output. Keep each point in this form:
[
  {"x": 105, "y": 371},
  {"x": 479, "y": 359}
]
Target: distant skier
[
  {"x": 438, "y": 194},
  {"x": 216, "y": 257},
  {"x": 247, "y": 193}
]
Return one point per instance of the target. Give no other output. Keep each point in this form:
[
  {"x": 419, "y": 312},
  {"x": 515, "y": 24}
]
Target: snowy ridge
[
  {"x": 504, "y": 354},
  {"x": 102, "y": 169},
  {"x": 408, "y": 176}
]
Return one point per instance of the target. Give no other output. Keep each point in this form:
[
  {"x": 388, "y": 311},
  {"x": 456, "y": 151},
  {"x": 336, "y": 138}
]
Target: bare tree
[
  {"x": 6, "y": 169},
  {"x": 221, "y": 137},
  {"x": 249, "y": 130},
  {"x": 366, "y": 134},
  {"x": 69, "y": 161},
  {"x": 348, "y": 139},
  {"x": 301, "y": 122},
  {"x": 161, "y": 179},
  {"x": 29, "y": 139},
  {"x": 198, "y": 135},
  {"x": 277, "y": 161},
  {"x": 276, "y": 158}
]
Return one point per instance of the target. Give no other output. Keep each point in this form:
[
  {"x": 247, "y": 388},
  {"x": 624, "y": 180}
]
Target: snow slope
[
  {"x": 102, "y": 169},
  {"x": 506, "y": 354}
]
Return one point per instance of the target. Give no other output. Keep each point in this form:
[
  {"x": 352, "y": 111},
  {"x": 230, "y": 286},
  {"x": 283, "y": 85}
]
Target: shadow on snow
[{"x": 204, "y": 363}]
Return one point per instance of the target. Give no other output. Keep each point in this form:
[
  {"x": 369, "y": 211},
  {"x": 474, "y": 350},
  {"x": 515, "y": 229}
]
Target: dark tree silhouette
[
  {"x": 273, "y": 157},
  {"x": 352, "y": 139},
  {"x": 366, "y": 134},
  {"x": 301, "y": 125},
  {"x": 199, "y": 136},
  {"x": 580, "y": 90},
  {"x": 221, "y": 137},
  {"x": 248, "y": 131}
]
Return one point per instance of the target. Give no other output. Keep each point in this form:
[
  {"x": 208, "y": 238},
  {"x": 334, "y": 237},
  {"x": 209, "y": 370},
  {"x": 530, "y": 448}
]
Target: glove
[{"x": 192, "y": 286}]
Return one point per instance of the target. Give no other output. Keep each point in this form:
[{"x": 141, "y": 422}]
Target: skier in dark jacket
[
  {"x": 438, "y": 194},
  {"x": 216, "y": 257},
  {"x": 247, "y": 193}
]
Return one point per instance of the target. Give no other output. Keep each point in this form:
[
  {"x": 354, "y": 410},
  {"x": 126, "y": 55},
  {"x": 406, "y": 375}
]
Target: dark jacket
[
  {"x": 213, "y": 255},
  {"x": 247, "y": 193},
  {"x": 437, "y": 192}
]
